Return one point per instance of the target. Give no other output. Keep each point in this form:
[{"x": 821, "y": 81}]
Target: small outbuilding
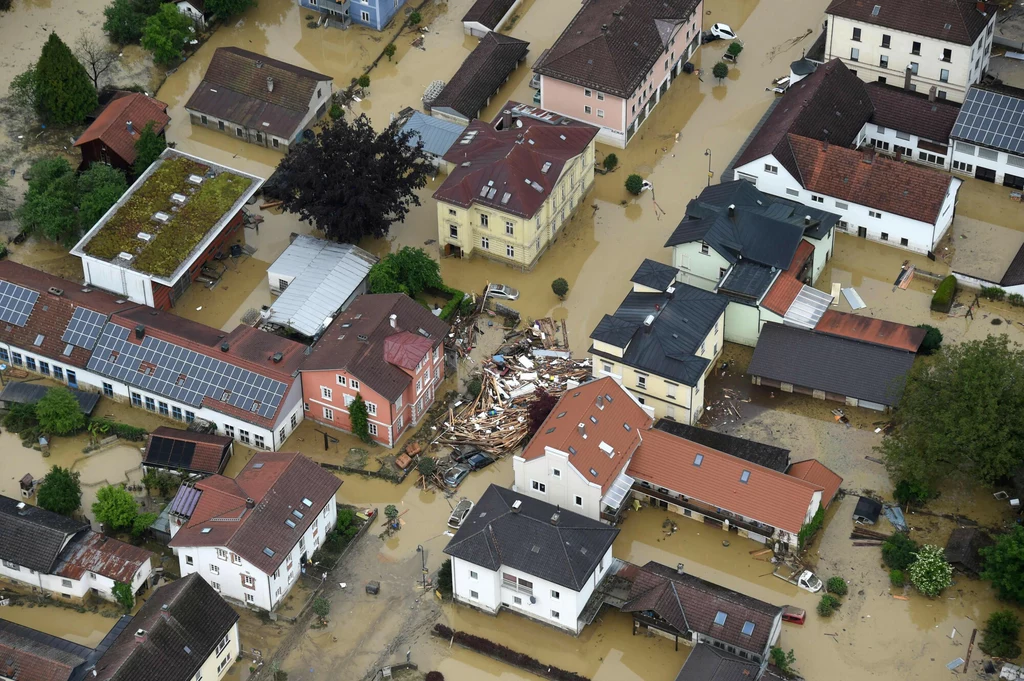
[
  {"x": 488, "y": 15},
  {"x": 30, "y": 393},
  {"x": 479, "y": 78},
  {"x": 963, "y": 550},
  {"x": 437, "y": 136},
  {"x": 182, "y": 450},
  {"x": 867, "y": 511}
]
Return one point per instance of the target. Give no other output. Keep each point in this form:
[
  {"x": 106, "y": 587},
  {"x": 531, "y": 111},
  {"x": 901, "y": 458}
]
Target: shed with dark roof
[
  {"x": 488, "y": 15},
  {"x": 709, "y": 663},
  {"x": 33, "y": 537},
  {"x": 478, "y": 79},
  {"x": 174, "y": 449},
  {"x": 963, "y": 550}
]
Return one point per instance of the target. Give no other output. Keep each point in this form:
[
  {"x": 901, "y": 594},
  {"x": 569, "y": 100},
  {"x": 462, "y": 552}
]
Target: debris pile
[
  {"x": 542, "y": 335},
  {"x": 498, "y": 419}
]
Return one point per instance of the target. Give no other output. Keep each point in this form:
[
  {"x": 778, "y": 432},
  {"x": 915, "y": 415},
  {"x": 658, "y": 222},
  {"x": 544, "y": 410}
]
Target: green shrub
[
  {"x": 415, "y": 18},
  {"x": 364, "y": 81},
  {"x": 634, "y": 184},
  {"x": 336, "y": 111},
  {"x": 123, "y": 431},
  {"x": 734, "y": 49},
  {"x": 808, "y": 531},
  {"x": 930, "y": 573},
  {"x": 897, "y": 578},
  {"x": 898, "y": 551},
  {"x": 610, "y": 161},
  {"x": 942, "y": 301},
  {"x": 908, "y": 492},
  {"x": 782, "y": 660},
  {"x": 474, "y": 386},
  {"x": 455, "y": 305},
  {"x": 827, "y": 605},
  {"x": 992, "y": 292},
  {"x": 1001, "y": 637},
  {"x": 426, "y": 466},
  {"x": 560, "y": 287},
  {"x": 720, "y": 71},
  {"x": 20, "y": 417},
  {"x": 1015, "y": 299},
  {"x": 837, "y": 586},
  {"x": 932, "y": 339},
  {"x": 444, "y": 578},
  {"x": 389, "y": 51}
]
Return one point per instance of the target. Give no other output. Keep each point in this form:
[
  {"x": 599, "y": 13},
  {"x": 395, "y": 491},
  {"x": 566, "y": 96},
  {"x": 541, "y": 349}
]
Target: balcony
[{"x": 764, "y": 531}]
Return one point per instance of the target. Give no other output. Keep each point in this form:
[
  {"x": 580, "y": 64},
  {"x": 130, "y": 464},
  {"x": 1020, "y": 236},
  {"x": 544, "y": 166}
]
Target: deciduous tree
[
  {"x": 961, "y": 416},
  {"x": 634, "y": 184},
  {"x": 23, "y": 91},
  {"x": 353, "y": 182},
  {"x": 124, "y": 596},
  {"x": 1004, "y": 565},
  {"x": 539, "y": 410},
  {"x": 99, "y": 188},
  {"x": 125, "y": 19},
  {"x": 115, "y": 507},
  {"x": 166, "y": 33},
  {"x": 359, "y": 418},
  {"x": 720, "y": 71},
  {"x": 409, "y": 271},
  {"x": 560, "y": 287},
  {"x": 930, "y": 573},
  {"x": 148, "y": 148},
  {"x": 1001, "y": 637},
  {"x": 60, "y": 491},
  {"x": 97, "y": 57},
  {"x": 229, "y": 8},
  {"x": 64, "y": 92},
  {"x": 58, "y": 412},
  {"x": 51, "y": 200}
]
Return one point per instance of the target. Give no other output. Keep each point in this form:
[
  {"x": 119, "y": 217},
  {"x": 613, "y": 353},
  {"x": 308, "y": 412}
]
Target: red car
[{"x": 793, "y": 615}]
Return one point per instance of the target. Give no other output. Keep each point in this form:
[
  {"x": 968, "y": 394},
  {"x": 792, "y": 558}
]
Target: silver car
[{"x": 501, "y": 291}]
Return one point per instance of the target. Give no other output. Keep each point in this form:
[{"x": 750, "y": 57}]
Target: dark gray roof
[
  {"x": 836, "y": 365},
  {"x": 1014, "y": 275},
  {"x": 708, "y": 663},
  {"x": 682, "y": 320},
  {"x": 488, "y": 12},
  {"x": 481, "y": 74},
  {"x": 654, "y": 274},
  {"x": 494, "y": 535},
  {"x": 993, "y": 118},
  {"x": 748, "y": 279},
  {"x": 33, "y": 537},
  {"x": 29, "y": 393},
  {"x": 803, "y": 66},
  {"x": 768, "y": 456},
  {"x": 964, "y": 546}
]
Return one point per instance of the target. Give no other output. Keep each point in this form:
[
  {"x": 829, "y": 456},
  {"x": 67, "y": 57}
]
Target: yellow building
[
  {"x": 513, "y": 185},
  {"x": 662, "y": 342}
]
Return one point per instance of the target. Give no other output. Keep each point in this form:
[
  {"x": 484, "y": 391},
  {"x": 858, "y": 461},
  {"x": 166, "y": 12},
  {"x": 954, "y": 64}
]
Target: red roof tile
[
  {"x": 815, "y": 472},
  {"x": 956, "y": 21},
  {"x": 871, "y": 330},
  {"x": 104, "y": 556},
  {"x": 406, "y": 349},
  {"x": 786, "y": 287},
  {"x": 768, "y": 496},
  {"x": 512, "y": 160},
  {"x": 883, "y": 184},
  {"x": 111, "y": 126},
  {"x": 602, "y": 422}
]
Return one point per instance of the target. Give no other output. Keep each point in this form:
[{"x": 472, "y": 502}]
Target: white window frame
[
  {"x": 326, "y": 393},
  {"x": 538, "y": 486},
  {"x": 328, "y": 414},
  {"x": 342, "y": 381}
]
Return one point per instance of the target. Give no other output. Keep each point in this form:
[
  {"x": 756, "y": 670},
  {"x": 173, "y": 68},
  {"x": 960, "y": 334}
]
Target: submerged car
[
  {"x": 723, "y": 32},
  {"x": 808, "y": 581},
  {"x": 793, "y": 614},
  {"x": 502, "y": 291},
  {"x": 478, "y": 460},
  {"x": 457, "y": 473}
]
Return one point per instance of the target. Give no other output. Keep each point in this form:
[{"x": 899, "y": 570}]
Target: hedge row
[
  {"x": 512, "y": 657},
  {"x": 942, "y": 301},
  {"x": 460, "y": 303},
  {"x": 122, "y": 430}
]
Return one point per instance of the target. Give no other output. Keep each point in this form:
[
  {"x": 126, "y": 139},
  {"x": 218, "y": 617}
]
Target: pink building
[
  {"x": 386, "y": 348},
  {"x": 616, "y": 59}
]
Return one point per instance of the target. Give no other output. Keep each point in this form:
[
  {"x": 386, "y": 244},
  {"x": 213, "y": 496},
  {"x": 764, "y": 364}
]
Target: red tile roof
[
  {"x": 31, "y": 655},
  {"x": 111, "y": 126},
  {"x": 956, "y": 21},
  {"x": 406, "y": 349},
  {"x": 105, "y": 556},
  {"x": 871, "y": 330},
  {"x": 277, "y": 484},
  {"x": 768, "y": 496},
  {"x": 512, "y": 160},
  {"x": 883, "y": 184},
  {"x": 816, "y": 473},
  {"x": 786, "y": 287},
  {"x": 602, "y": 422}
]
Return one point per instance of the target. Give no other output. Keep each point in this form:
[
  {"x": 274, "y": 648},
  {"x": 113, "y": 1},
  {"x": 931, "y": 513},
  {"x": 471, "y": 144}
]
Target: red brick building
[{"x": 112, "y": 136}]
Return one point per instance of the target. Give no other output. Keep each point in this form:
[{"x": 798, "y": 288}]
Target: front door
[
  {"x": 985, "y": 174},
  {"x": 862, "y": 232},
  {"x": 1014, "y": 181}
]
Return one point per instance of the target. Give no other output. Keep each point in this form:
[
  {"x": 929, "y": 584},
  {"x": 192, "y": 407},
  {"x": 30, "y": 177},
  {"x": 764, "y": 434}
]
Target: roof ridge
[
  {"x": 675, "y": 592},
  {"x": 565, "y": 552}
]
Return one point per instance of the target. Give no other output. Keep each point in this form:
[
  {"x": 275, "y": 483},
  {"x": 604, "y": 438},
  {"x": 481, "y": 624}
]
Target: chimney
[
  {"x": 824, "y": 144},
  {"x": 394, "y": 321},
  {"x": 131, "y": 129},
  {"x": 869, "y": 156},
  {"x": 554, "y": 517},
  {"x": 807, "y": 219},
  {"x": 899, "y": 156},
  {"x": 679, "y": 568},
  {"x": 604, "y": 28},
  {"x": 582, "y": 430},
  {"x": 506, "y": 119},
  {"x": 732, "y": 209},
  {"x": 982, "y": 7},
  {"x": 249, "y": 503},
  {"x": 164, "y": 607},
  {"x": 140, "y": 331},
  {"x": 140, "y": 635},
  {"x": 906, "y": 79},
  {"x": 277, "y": 357},
  {"x": 225, "y": 346},
  {"x": 600, "y": 402},
  {"x": 516, "y": 505},
  {"x": 270, "y": 84},
  {"x": 932, "y": 92}
]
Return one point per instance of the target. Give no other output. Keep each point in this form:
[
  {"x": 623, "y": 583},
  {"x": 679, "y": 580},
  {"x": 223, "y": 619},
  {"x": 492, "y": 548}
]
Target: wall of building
[
  {"x": 743, "y": 323},
  {"x": 221, "y": 658},
  {"x": 697, "y": 268},
  {"x": 967, "y": 159},
  {"x": 891, "y": 142},
  {"x": 966, "y": 66},
  {"x": 567, "y": 489},
  {"x": 73, "y": 590},
  {"x": 584, "y": 104}
]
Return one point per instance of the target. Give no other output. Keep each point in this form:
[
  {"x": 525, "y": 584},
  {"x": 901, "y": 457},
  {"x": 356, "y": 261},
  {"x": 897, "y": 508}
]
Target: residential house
[
  {"x": 615, "y": 61},
  {"x": 662, "y": 342},
  {"x": 245, "y": 383},
  {"x": 183, "y": 632},
  {"x": 941, "y": 44},
  {"x": 488, "y": 15},
  {"x": 514, "y": 184},
  {"x": 187, "y": 452},
  {"x": 479, "y": 78},
  {"x": 673, "y": 603},
  {"x": 811, "y": 146},
  {"x": 910, "y": 125},
  {"x": 859, "y": 361},
  {"x": 389, "y": 350},
  {"x": 57, "y": 555},
  {"x": 31, "y": 655},
  {"x": 988, "y": 137},
  {"x": 151, "y": 245},
  {"x": 529, "y": 556},
  {"x": 314, "y": 280},
  {"x": 437, "y": 136},
  {"x": 579, "y": 455},
  {"x": 112, "y": 136},
  {"x": 375, "y": 14},
  {"x": 194, "y": 10},
  {"x": 760, "y": 253},
  {"x": 257, "y": 99},
  {"x": 250, "y": 537}
]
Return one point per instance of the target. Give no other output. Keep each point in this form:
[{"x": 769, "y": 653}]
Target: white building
[
  {"x": 249, "y": 537},
  {"x": 988, "y": 137},
  {"x": 944, "y": 44},
  {"x": 529, "y": 556},
  {"x": 54, "y": 554}
]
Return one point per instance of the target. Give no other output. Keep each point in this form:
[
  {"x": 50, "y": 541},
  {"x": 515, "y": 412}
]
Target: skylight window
[
  {"x": 698, "y": 460},
  {"x": 593, "y": 472},
  {"x": 268, "y": 551},
  {"x": 560, "y": 415},
  {"x": 297, "y": 513},
  {"x": 289, "y": 522},
  {"x": 608, "y": 397},
  {"x": 307, "y": 503},
  {"x": 745, "y": 476},
  {"x": 206, "y": 530},
  {"x": 549, "y": 431},
  {"x": 626, "y": 426},
  {"x": 257, "y": 466},
  {"x": 572, "y": 450},
  {"x": 876, "y": 10},
  {"x": 720, "y": 618},
  {"x": 748, "y": 628},
  {"x": 593, "y": 419}
]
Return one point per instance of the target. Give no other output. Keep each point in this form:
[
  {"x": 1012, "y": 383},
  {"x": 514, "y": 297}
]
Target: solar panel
[
  {"x": 993, "y": 119},
  {"x": 84, "y": 328},
  {"x": 16, "y": 303}
]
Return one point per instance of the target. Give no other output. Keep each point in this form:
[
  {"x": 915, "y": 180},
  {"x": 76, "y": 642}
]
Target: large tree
[
  {"x": 60, "y": 491},
  {"x": 353, "y": 182},
  {"x": 64, "y": 91},
  {"x": 115, "y": 507},
  {"x": 166, "y": 33},
  {"x": 148, "y": 148},
  {"x": 59, "y": 413},
  {"x": 409, "y": 271},
  {"x": 229, "y": 8},
  {"x": 961, "y": 416},
  {"x": 59, "y": 204},
  {"x": 97, "y": 57},
  {"x": 1004, "y": 565},
  {"x": 125, "y": 19},
  {"x": 99, "y": 188}
]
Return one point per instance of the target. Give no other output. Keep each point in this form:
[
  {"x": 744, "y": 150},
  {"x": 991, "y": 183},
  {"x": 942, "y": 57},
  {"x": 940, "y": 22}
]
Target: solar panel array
[
  {"x": 182, "y": 374},
  {"x": 84, "y": 328},
  {"x": 16, "y": 303},
  {"x": 991, "y": 119}
]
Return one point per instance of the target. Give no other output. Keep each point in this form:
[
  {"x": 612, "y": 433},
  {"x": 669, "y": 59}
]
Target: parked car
[
  {"x": 808, "y": 581},
  {"x": 723, "y": 32},
  {"x": 793, "y": 614},
  {"x": 457, "y": 473},
  {"x": 501, "y": 291},
  {"x": 478, "y": 460},
  {"x": 459, "y": 513}
]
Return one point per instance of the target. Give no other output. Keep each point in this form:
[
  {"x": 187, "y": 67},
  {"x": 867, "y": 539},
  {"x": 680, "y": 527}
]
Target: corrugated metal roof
[
  {"x": 807, "y": 308},
  {"x": 438, "y": 136},
  {"x": 325, "y": 275}
]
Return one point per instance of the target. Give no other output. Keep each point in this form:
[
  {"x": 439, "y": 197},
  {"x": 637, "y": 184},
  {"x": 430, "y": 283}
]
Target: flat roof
[{"x": 168, "y": 216}]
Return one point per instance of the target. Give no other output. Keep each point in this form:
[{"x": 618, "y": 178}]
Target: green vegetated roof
[{"x": 174, "y": 240}]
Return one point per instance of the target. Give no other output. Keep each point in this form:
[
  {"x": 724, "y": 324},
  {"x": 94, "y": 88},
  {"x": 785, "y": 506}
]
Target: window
[
  {"x": 328, "y": 414},
  {"x": 579, "y": 500},
  {"x": 720, "y": 618},
  {"x": 539, "y": 487},
  {"x": 188, "y": 561},
  {"x": 326, "y": 393},
  {"x": 238, "y": 132},
  {"x": 199, "y": 675},
  {"x": 817, "y": 199},
  {"x": 698, "y": 460},
  {"x": 274, "y": 140},
  {"x": 453, "y": 231},
  {"x": 474, "y": 594},
  {"x": 485, "y": 243},
  {"x": 229, "y": 431},
  {"x": 164, "y": 411},
  {"x": 4, "y": 356},
  {"x": 670, "y": 392},
  {"x": 190, "y": 416},
  {"x": 510, "y": 228},
  {"x": 419, "y": 385},
  {"x": 249, "y": 598},
  {"x": 915, "y": 49},
  {"x": 248, "y": 581},
  {"x": 554, "y": 471},
  {"x": 365, "y": 16},
  {"x": 960, "y": 165},
  {"x": 883, "y": 61},
  {"x": 222, "y": 554},
  {"x": 902, "y": 135},
  {"x": 176, "y": 413},
  {"x": 792, "y": 192},
  {"x": 947, "y": 55},
  {"x": 885, "y": 236},
  {"x": 886, "y": 41},
  {"x": 44, "y": 368},
  {"x": 16, "y": 358},
  {"x": 600, "y": 113},
  {"x": 748, "y": 628},
  {"x": 913, "y": 67},
  {"x": 150, "y": 404},
  {"x": 705, "y": 249},
  {"x": 555, "y": 594},
  {"x": 223, "y": 663},
  {"x": 372, "y": 427},
  {"x": 483, "y": 221},
  {"x": 510, "y": 251},
  {"x": 11, "y": 566},
  {"x": 587, "y": 109},
  {"x": 842, "y": 205},
  {"x": 721, "y": 272},
  {"x": 473, "y": 574},
  {"x": 203, "y": 119},
  {"x": 941, "y": 94},
  {"x": 600, "y": 96},
  {"x": 641, "y": 381},
  {"x": 354, "y": 384},
  {"x": 875, "y": 214},
  {"x": 587, "y": 92},
  {"x": 554, "y": 614},
  {"x": 258, "y": 440},
  {"x": 30, "y": 363},
  {"x": 854, "y": 54},
  {"x": 295, "y": 420},
  {"x": 371, "y": 408},
  {"x": 944, "y": 75},
  {"x": 259, "y": 136},
  {"x": 770, "y": 169},
  {"x": 243, "y": 435},
  {"x": 856, "y": 34},
  {"x": 517, "y": 600},
  {"x": 904, "y": 242},
  {"x": 745, "y": 477},
  {"x": 214, "y": 570}
]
